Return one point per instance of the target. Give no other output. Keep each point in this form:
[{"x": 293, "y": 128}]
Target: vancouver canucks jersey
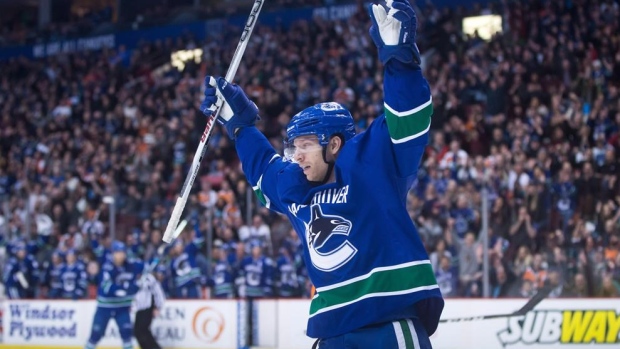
[
  {"x": 118, "y": 284},
  {"x": 363, "y": 253},
  {"x": 74, "y": 280},
  {"x": 258, "y": 276},
  {"x": 51, "y": 279},
  {"x": 223, "y": 281},
  {"x": 184, "y": 267},
  {"x": 21, "y": 277},
  {"x": 287, "y": 281}
]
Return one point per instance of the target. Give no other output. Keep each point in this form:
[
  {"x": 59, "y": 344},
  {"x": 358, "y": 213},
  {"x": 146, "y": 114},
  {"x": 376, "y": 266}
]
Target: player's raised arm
[
  {"x": 407, "y": 99},
  {"x": 261, "y": 164}
]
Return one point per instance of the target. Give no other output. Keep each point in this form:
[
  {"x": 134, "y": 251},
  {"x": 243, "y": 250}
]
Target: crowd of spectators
[
  {"x": 532, "y": 116},
  {"x": 19, "y": 25}
]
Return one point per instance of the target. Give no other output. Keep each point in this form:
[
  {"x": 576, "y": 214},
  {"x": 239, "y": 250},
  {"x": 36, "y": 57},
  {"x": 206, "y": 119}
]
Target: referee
[{"x": 149, "y": 300}]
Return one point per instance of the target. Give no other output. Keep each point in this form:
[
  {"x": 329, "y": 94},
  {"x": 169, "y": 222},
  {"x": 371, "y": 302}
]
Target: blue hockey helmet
[
  {"x": 323, "y": 120},
  {"x": 19, "y": 245},
  {"x": 118, "y": 246}
]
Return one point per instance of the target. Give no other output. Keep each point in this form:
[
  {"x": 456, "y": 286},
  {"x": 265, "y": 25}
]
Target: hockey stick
[
  {"x": 531, "y": 304},
  {"x": 204, "y": 140}
]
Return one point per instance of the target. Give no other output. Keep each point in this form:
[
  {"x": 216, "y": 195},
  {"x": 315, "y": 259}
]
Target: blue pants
[
  {"x": 403, "y": 334},
  {"x": 100, "y": 323}
]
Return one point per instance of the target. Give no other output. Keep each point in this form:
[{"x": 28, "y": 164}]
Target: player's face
[
  {"x": 178, "y": 249},
  {"x": 256, "y": 251},
  {"x": 70, "y": 258},
  {"x": 308, "y": 154},
  {"x": 119, "y": 257}
]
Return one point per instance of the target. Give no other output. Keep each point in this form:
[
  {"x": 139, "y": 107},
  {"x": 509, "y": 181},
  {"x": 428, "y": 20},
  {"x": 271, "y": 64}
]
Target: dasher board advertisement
[
  {"x": 554, "y": 323},
  {"x": 67, "y": 324}
]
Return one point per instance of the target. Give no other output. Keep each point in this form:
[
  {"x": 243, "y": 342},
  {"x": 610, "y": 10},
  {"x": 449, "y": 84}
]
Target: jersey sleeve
[
  {"x": 261, "y": 165},
  {"x": 408, "y": 109}
]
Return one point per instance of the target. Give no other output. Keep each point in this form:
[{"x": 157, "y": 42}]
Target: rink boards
[{"x": 554, "y": 323}]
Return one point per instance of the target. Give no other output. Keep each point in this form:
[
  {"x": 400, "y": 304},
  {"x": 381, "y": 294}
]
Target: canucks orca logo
[{"x": 321, "y": 228}]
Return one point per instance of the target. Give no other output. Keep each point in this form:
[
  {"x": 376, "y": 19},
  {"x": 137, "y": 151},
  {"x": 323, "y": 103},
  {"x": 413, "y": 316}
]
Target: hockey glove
[
  {"x": 238, "y": 110},
  {"x": 394, "y": 32}
]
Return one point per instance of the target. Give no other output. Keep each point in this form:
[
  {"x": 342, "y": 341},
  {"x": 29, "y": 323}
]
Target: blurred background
[{"x": 99, "y": 120}]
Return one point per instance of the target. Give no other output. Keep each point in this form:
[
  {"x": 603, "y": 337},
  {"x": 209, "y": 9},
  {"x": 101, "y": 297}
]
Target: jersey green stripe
[
  {"x": 260, "y": 196},
  {"x": 108, "y": 300},
  {"x": 408, "y": 279},
  {"x": 404, "y": 128},
  {"x": 259, "y": 193},
  {"x": 406, "y": 334}
]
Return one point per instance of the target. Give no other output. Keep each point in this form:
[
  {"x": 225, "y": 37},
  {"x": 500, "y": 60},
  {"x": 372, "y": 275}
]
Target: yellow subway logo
[{"x": 565, "y": 327}]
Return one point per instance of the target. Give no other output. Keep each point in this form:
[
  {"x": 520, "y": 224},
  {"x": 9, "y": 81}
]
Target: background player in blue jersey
[
  {"x": 117, "y": 287},
  {"x": 345, "y": 195},
  {"x": 286, "y": 279},
  {"x": 52, "y": 271},
  {"x": 223, "y": 273},
  {"x": 256, "y": 274},
  {"x": 21, "y": 273},
  {"x": 184, "y": 269},
  {"x": 73, "y": 277}
]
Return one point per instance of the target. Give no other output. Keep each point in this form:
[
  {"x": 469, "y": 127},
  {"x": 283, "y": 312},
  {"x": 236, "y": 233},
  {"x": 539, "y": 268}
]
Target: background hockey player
[
  {"x": 52, "y": 270},
  {"x": 345, "y": 195},
  {"x": 255, "y": 274},
  {"x": 73, "y": 276},
  {"x": 223, "y": 273},
  {"x": 21, "y": 273},
  {"x": 184, "y": 270},
  {"x": 286, "y": 278},
  {"x": 117, "y": 288}
]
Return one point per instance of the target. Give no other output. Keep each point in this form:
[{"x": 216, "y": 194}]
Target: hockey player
[
  {"x": 345, "y": 195},
  {"x": 73, "y": 277},
  {"x": 286, "y": 279},
  {"x": 223, "y": 273},
  {"x": 184, "y": 269},
  {"x": 21, "y": 273},
  {"x": 51, "y": 275},
  {"x": 255, "y": 275},
  {"x": 117, "y": 288}
]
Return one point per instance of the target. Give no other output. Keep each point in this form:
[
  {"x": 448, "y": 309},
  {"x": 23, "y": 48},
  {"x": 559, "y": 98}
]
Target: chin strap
[
  {"x": 330, "y": 169},
  {"x": 330, "y": 166}
]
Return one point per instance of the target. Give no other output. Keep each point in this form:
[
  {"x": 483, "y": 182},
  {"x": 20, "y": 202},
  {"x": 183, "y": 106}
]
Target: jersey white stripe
[
  {"x": 408, "y": 112},
  {"x": 400, "y": 336},
  {"x": 414, "y": 335},
  {"x": 403, "y": 140},
  {"x": 367, "y": 275}
]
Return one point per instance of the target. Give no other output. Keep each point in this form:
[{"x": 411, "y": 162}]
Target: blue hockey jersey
[
  {"x": 362, "y": 251},
  {"x": 21, "y": 277},
  {"x": 223, "y": 281},
  {"x": 51, "y": 279},
  {"x": 184, "y": 268},
  {"x": 257, "y": 274},
  {"x": 287, "y": 281},
  {"x": 118, "y": 285},
  {"x": 74, "y": 280}
]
